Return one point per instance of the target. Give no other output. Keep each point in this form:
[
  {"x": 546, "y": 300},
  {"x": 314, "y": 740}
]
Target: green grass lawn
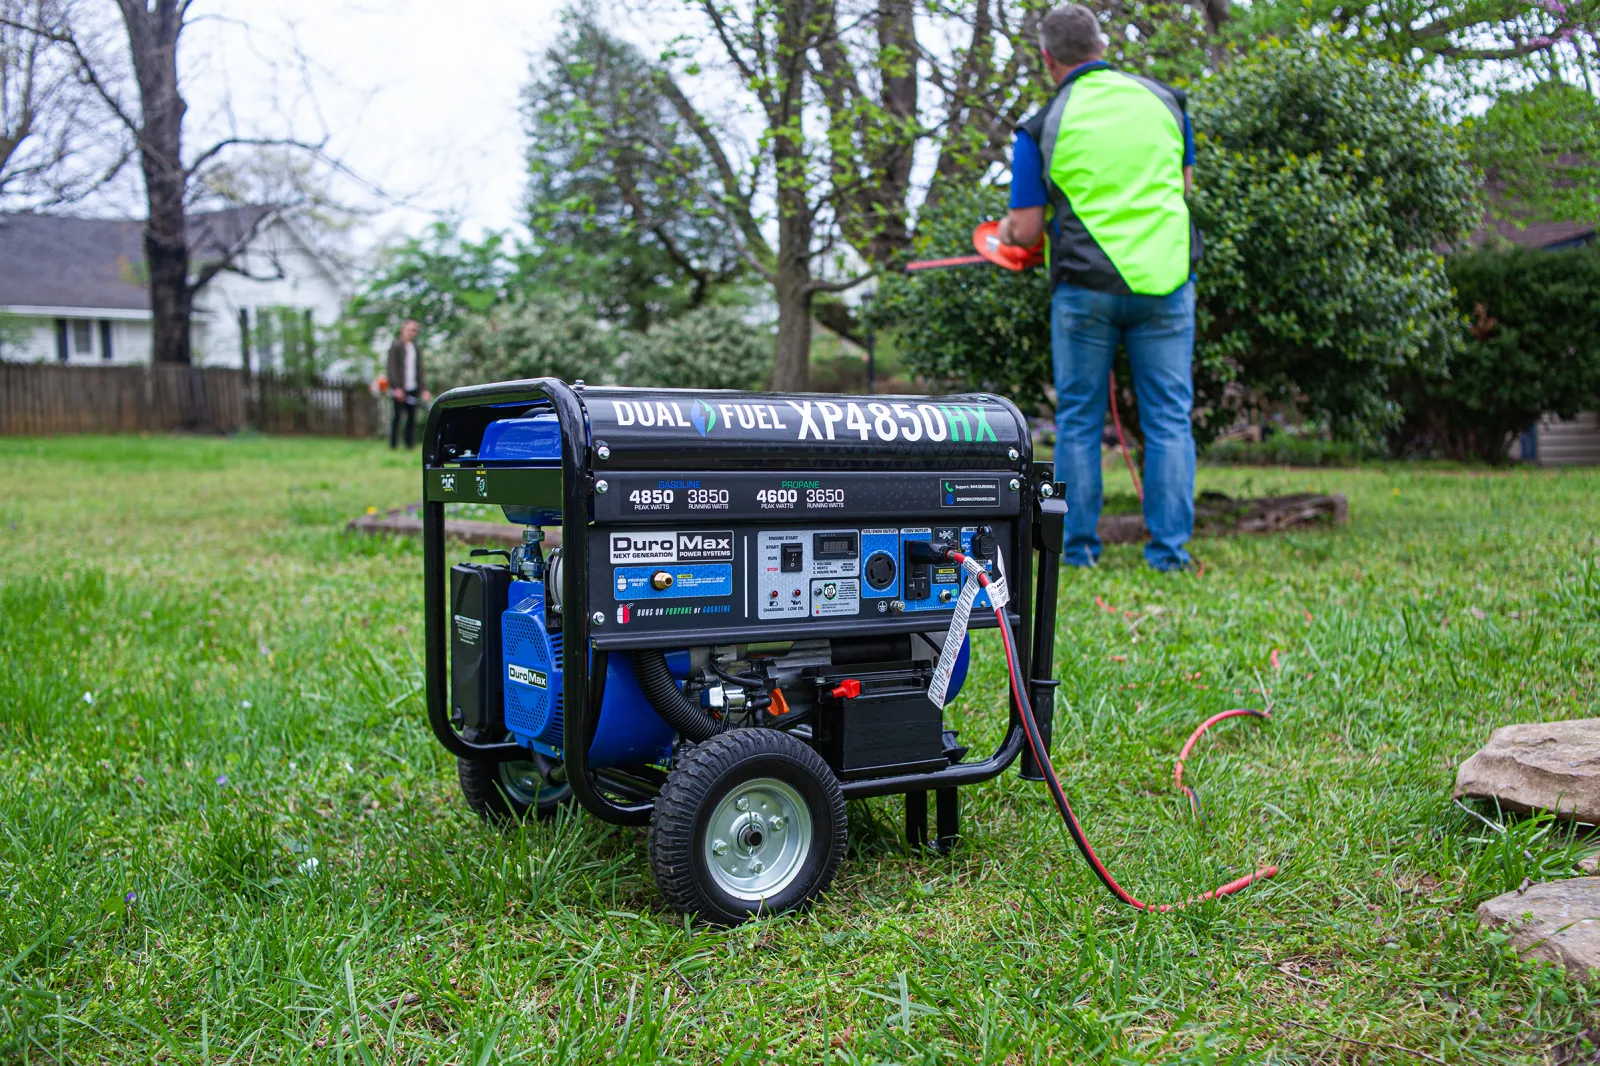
[{"x": 226, "y": 834}]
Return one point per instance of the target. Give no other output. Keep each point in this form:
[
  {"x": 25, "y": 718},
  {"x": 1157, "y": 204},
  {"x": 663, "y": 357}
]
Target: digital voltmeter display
[{"x": 834, "y": 546}]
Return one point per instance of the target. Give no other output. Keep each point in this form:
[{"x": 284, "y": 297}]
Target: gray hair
[{"x": 1071, "y": 34}]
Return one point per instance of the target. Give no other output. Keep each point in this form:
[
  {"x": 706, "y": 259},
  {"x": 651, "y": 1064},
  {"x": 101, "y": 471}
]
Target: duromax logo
[
  {"x": 703, "y": 416},
  {"x": 524, "y": 675}
]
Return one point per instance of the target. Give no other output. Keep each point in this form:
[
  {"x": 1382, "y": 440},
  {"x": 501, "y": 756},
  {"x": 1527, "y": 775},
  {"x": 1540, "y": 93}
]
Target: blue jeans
[{"x": 1158, "y": 331}]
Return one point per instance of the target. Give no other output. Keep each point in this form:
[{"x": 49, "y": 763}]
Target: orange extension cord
[{"x": 1042, "y": 757}]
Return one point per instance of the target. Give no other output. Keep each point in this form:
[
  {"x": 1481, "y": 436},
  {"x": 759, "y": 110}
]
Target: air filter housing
[{"x": 629, "y": 733}]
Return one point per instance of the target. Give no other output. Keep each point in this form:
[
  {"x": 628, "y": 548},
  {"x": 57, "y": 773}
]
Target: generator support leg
[
  {"x": 1042, "y": 684},
  {"x": 947, "y": 818},
  {"x": 917, "y": 820}
]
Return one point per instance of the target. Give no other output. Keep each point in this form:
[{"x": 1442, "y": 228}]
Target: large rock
[
  {"x": 1558, "y": 922},
  {"x": 1539, "y": 766}
]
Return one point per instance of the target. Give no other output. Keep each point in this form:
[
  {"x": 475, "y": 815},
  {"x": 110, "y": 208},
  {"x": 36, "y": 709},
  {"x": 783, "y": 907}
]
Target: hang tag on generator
[{"x": 939, "y": 686}]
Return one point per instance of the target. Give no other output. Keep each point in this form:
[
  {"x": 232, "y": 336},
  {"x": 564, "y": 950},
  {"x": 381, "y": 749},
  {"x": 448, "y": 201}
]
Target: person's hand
[
  {"x": 426, "y": 395},
  {"x": 1004, "y": 232},
  {"x": 398, "y": 394}
]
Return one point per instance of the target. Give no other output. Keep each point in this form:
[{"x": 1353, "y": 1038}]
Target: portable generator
[{"x": 755, "y": 612}]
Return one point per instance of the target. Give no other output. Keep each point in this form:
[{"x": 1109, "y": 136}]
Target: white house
[{"x": 77, "y": 287}]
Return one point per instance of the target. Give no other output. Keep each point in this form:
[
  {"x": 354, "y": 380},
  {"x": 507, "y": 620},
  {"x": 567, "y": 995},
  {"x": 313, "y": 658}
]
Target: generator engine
[
  {"x": 729, "y": 613},
  {"x": 506, "y": 669}
]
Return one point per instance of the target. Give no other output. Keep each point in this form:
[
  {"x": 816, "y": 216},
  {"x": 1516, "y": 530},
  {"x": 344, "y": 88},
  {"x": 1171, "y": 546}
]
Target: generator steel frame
[{"x": 1038, "y": 528}]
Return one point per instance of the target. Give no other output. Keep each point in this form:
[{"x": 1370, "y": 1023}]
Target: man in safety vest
[{"x": 1105, "y": 166}]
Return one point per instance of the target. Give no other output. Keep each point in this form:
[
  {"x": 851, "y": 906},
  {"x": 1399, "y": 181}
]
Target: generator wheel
[
  {"x": 749, "y": 822},
  {"x": 509, "y": 791}
]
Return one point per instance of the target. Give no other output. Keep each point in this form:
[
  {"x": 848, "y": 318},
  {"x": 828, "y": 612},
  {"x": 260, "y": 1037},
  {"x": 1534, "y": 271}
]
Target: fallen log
[
  {"x": 1220, "y": 515},
  {"x": 1215, "y": 515},
  {"x": 407, "y": 522}
]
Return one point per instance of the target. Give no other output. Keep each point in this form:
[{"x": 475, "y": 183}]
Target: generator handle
[
  {"x": 584, "y": 686},
  {"x": 1050, "y": 512},
  {"x": 434, "y": 637}
]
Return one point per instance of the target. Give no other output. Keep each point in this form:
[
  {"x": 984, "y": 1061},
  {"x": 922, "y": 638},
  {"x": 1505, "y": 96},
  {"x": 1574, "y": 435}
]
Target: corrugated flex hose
[{"x": 677, "y": 710}]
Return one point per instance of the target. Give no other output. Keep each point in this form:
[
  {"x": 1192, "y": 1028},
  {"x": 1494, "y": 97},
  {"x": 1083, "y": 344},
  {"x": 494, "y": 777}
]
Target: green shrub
[
  {"x": 711, "y": 347},
  {"x": 538, "y": 335},
  {"x": 1323, "y": 181},
  {"x": 1533, "y": 346},
  {"x": 551, "y": 334},
  {"x": 970, "y": 327},
  {"x": 1282, "y": 449}
]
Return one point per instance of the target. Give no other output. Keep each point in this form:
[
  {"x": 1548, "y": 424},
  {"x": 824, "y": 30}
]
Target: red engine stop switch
[{"x": 848, "y": 689}]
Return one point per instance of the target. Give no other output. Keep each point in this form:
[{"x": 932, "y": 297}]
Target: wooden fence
[{"x": 41, "y": 398}]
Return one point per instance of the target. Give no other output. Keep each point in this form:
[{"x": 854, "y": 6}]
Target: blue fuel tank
[{"x": 534, "y": 440}]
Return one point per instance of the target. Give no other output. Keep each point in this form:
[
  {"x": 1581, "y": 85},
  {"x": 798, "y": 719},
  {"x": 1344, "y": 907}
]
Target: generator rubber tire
[
  {"x": 500, "y": 791},
  {"x": 699, "y": 810}
]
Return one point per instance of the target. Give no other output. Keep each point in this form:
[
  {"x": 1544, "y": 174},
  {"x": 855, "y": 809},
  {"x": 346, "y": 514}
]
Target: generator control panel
[
  {"x": 780, "y": 575},
  {"x": 843, "y": 572}
]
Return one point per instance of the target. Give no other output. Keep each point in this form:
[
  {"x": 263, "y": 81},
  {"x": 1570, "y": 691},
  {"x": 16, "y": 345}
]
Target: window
[{"x": 82, "y": 337}]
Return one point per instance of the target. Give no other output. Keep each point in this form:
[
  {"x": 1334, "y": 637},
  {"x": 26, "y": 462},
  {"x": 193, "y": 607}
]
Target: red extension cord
[
  {"x": 1122, "y": 442},
  {"x": 1042, "y": 757}
]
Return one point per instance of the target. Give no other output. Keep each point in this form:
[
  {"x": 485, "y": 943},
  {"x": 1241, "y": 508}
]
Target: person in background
[
  {"x": 405, "y": 382},
  {"x": 1103, "y": 170}
]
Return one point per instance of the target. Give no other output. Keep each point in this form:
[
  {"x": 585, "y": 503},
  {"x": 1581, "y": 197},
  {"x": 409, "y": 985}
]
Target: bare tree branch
[
  {"x": 231, "y": 254},
  {"x": 815, "y": 285},
  {"x": 735, "y": 200},
  {"x": 258, "y": 142},
  {"x": 737, "y": 58},
  {"x": 53, "y": 144}
]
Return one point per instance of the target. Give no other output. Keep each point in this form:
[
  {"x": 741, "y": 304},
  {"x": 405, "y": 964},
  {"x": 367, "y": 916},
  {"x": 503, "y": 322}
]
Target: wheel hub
[{"x": 758, "y": 838}]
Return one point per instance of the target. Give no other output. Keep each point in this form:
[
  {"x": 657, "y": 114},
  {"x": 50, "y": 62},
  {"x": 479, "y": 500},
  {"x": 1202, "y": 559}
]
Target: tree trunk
[
  {"x": 244, "y": 341},
  {"x": 791, "y": 366},
  {"x": 167, "y": 261},
  {"x": 153, "y": 44},
  {"x": 897, "y": 48},
  {"x": 791, "y": 268}
]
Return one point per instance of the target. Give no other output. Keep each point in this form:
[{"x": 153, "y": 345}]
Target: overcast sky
[{"x": 417, "y": 96}]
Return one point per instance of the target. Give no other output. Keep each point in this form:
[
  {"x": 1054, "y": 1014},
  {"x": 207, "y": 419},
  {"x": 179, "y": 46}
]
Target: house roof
[
  {"x": 1534, "y": 234},
  {"x": 1501, "y": 218},
  {"x": 57, "y": 261}
]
